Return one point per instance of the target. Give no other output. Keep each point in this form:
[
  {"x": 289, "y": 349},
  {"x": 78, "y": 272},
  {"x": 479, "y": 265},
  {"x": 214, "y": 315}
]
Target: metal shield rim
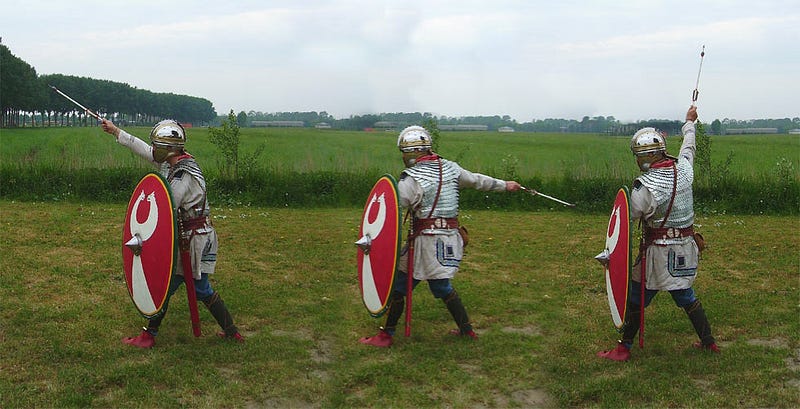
[
  {"x": 172, "y": 239},
  {"x": 392, "y": 182}
]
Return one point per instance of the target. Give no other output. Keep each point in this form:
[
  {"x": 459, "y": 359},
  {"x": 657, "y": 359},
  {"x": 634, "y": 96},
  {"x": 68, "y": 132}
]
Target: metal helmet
[
  {"x": 413, "y": 142},
  {"x": 168, "y": 139},
  {"x": 648, "y": 145}
]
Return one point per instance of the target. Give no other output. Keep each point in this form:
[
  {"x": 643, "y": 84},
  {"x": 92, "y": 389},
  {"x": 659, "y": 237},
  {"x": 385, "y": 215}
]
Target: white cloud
[{"x": 528, "y": 59}]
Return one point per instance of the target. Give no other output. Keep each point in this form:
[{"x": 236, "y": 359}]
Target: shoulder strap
[
  {"x": 438, "y": 189},
  {"x": 672, "y": 198}
]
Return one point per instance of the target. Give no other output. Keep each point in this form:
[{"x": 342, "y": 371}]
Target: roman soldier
[
  {"x": 668, "y": 258},
  {"x": 188, "y": 186},
  {"x": 429, "y": 188}
]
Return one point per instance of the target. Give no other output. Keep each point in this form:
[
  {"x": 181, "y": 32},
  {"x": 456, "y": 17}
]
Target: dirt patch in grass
[
  {"x": 527, "y": 330},
  {"x": 279, "y": 403},
  {"x": 793, "y": 362},
  {"x": 769, "y": 343},
  {"x": 303, "y": 335},
  {"x": 322, "y": 353},
  {"x": 527, "y": 398},
  {"x": 531, "y": 398}
]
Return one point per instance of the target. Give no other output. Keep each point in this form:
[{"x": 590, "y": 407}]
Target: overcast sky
[{"x": 527, "y": 59}]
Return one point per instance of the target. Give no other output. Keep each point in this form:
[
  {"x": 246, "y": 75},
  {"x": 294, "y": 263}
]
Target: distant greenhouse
[
  {"x": 464, "y": 127},
  {"x": 739, "y": 131},
  {"x": 278, "y": 124}
]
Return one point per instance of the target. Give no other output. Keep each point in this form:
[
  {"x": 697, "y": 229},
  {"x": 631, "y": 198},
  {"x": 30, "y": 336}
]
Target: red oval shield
[
  {"x": 379, "y": 245},
  {"x": 148, "y": 244},
  {"x": 618, "y": 242}
]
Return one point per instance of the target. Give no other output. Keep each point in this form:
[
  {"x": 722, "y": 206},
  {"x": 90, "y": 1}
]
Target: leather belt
[
  {"x": 435, "y": 223},
  {"x": 659, "y": 233},
  {"x": 197, "y": 223}
]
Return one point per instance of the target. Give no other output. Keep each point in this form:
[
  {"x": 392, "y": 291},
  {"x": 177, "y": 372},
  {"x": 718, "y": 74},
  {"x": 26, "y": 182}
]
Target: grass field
[
  {"x": 529, "y": 282},
  {"x": 533, "y": 155},
  {"x": 312, "y": 168}
]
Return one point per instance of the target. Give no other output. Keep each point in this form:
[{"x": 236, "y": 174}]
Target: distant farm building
[
  {"x": 323, "y": 125},
  {"x": 739, "y": 131},
  {"x": 278, "y": 124},
  {"x": 794, "y": 131},
  {"x": 385, "y": 125},
  {"x": 464, "y": 127},
  {"x": 505, "y": 129}
]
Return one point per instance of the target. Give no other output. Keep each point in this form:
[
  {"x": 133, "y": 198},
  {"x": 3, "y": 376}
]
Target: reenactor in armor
[
  {"x": 429, "y": 188},
  {"x": 663, "y": 202},
  {"x": 188, "y": 187}
]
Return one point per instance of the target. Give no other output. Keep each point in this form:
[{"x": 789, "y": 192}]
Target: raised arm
[
  {"x": 688, "y": 130},
  {"x": 133, "y": 143}
]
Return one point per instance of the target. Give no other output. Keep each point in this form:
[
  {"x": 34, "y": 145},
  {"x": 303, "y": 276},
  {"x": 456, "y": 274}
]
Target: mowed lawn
[{"x": 529, "y": 281}]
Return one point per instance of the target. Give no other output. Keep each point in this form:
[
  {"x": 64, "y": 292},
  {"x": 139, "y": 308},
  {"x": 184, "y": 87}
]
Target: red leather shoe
[
  {"x": 382, "y": 340},
  {"x": 471, "y": 334},
  {"x": 143, "y": 340},
  {"x": 236, "y": 336},
  {"x": 710, "y": 347},
  {"x": 620, "y": 353}
]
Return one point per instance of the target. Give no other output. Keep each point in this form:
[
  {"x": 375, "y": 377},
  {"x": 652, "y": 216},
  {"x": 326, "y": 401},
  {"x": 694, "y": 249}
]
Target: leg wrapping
[
  {"x": 396, "y": 306},
  {"x": 457, "y": 310},
  {"x": 630, "y": 328},
  {"x": 700, "y": 322},
  {"x": 220, "y": 313},
  {"x": 155, "y": 322}
]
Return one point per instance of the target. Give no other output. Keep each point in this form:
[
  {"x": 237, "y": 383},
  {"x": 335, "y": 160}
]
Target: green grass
[
  {"x": 532, "y": 155},
  {"x": 529, "y": 282},
  {"x": 312, "y": 168}
]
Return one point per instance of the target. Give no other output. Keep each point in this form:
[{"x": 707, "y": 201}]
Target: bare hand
[
  {"x": 512, "y": 186},
  {"x": 109, "y": 127},
  {"x": 691, "y": 114}
]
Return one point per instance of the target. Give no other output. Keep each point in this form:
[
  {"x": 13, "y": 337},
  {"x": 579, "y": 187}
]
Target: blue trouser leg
[
  {"x": 440, "y": 288},
  {"x": 683, "y": 298}
]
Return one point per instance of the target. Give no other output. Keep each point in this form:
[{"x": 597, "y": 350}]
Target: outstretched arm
[
  {"x": 133, "y": 143},
  {"x": 485, "y": 183}
]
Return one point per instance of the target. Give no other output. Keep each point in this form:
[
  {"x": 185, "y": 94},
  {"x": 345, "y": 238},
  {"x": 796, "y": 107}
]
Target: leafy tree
[
  {"x": 432, "y": 127},
  {"x": 708, "y": 171},
  {"x": 716, "y": 127},
  {"x": 19, "y": 86},
  {"x": 226, "y": 139},
  {"x": 241, "y": 119}
]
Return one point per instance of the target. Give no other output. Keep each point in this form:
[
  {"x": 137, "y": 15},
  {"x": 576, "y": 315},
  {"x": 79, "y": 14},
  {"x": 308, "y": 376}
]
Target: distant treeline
[
  {"x": 28, "y": 100},
  {"x": 398, "y": 120},
  {"x": 598, "y": 124}
]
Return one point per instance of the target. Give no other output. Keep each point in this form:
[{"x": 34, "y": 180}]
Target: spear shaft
[
  {"x": 536, "y": 193},
  {"x": 695, "y": 93},
  {"x": 88, "y": 111}
]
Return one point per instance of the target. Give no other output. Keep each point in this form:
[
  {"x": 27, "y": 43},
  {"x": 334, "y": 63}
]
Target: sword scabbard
[{"x": 188, "y": 275}]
